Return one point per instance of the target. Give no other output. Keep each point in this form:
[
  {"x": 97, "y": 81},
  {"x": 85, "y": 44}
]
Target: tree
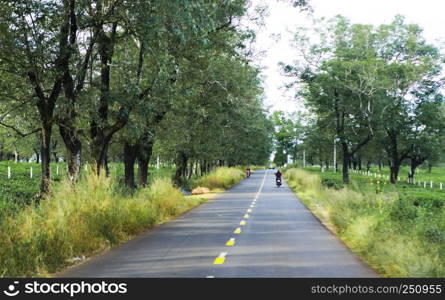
[
  {"x": 341, "y": 88},
  {"x": 362, "y": 85},
  {"x": 410, "y": 79},
  {"x": 287, "y": 137},
  {"x": 35, "y": 46}
]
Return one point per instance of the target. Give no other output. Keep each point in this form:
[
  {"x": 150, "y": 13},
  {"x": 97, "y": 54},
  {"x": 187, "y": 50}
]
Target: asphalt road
[{"x": 251, "y": 230}]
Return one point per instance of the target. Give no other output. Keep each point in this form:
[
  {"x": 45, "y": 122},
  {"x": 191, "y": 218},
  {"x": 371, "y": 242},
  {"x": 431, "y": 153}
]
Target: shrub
[
  {"x": 221, "y": 178},
  {"x": 399, "y": 235}
]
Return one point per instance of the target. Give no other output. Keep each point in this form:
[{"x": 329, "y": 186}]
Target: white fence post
[
  {"x": 9, "y": 172},
  {"x": 30, "y": 172}
]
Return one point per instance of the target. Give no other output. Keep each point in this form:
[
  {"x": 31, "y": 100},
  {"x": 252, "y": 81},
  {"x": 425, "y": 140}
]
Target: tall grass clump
[
  {"x": 397, "y": 235},
  {"x": 81, "y": 220},
  {"x": 221, "y": 178}
]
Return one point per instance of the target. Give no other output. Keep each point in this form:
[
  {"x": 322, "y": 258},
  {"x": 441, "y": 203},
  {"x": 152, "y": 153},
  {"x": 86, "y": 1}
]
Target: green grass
[
  {"x": 437, "y": 174},
  {"x": 418, "y": 194},
  {"x": 20, "y": 190},
  {"x": 398, "y": 233}
]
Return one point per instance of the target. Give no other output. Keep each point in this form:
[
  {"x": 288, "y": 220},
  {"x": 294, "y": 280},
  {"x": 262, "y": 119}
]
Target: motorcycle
[{"x": 278, "y": 182}]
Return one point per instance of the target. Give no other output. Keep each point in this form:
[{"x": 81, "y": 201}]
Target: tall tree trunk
[
  {"x": 395, "y": 168},
  {"x": 46, "y": 158},
  {"x": 54, "y": 151},
  {"x": 346, "y": 161},
  {"x": 181, "y": 165},
  {"x": 99, "y": 149},
  {"x": 73, "y": 86},
  {"x": 203, "y": 167},
  {"x": 395, "y": 157},
  {"x": 37, "y": 153},
  {"x": 73, "y": 151},
  {"x": 130, "y": 154},
  {"x": 354, "y": 162},
  {"x": 144, "y": 155},
  {"x": 191, "y": 170},
  {"x": 414, "y": 164},
  {"x": 101, "y": 131}
]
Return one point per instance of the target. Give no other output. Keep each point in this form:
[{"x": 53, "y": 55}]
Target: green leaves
[{"x": 360, "y": 80}]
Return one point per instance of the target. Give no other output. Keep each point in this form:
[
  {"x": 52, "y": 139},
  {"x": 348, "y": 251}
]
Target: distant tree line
[
  {"x": 94, "y": 81},
  {"x": 373, "y": 92}
]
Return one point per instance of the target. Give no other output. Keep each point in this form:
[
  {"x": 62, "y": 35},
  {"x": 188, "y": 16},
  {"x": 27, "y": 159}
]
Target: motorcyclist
[{"x": 278, "y": 175}]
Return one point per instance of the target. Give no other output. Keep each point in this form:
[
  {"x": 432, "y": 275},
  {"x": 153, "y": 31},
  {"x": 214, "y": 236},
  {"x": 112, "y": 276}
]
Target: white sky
[{"x": 429, "y": 14}]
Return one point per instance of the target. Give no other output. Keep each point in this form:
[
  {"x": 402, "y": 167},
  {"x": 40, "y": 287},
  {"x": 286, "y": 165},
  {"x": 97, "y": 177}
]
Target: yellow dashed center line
[
  {"x": 220, "y": 259},
  {"x": 230, "y": 242}
]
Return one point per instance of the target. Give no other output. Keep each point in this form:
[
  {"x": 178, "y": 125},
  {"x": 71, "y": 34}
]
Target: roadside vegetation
[
  {"x": 77, "y": 221},
  {"x": 152, "y": 95},
  {"x": 397, "y": 234},
  {"x": 421, "y": 194},
  {"x": 21, "y": 190},
  {"x": 221, "y": 178},
  {"x": 360, "y": 115}
]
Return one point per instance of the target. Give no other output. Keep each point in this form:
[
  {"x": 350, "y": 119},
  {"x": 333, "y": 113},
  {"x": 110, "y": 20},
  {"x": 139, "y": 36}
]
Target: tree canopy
[{"x": 171, "y": 76}]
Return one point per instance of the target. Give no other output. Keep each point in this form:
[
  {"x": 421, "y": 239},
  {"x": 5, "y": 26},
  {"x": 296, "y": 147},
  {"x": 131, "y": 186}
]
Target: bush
[
  {"x": 302, "y": 180},
  {"x": 221, "y": 178}
]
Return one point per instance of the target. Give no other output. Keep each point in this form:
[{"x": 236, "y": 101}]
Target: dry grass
[
  {"x": 200, "y": 190},
  {"x": 390, "y": 233},
  {"x": 81, "y": 221},
  {"x": 221, "y": 178}
]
